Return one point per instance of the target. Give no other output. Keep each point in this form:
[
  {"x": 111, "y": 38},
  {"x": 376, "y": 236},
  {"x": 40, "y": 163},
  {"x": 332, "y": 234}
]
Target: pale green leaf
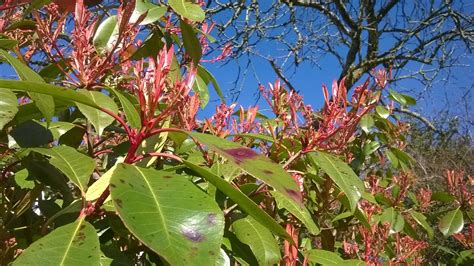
[{"x": 99, "y": 119}]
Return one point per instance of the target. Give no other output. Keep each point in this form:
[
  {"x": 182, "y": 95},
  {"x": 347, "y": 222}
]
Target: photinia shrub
[{"x": 104, "y": 162}]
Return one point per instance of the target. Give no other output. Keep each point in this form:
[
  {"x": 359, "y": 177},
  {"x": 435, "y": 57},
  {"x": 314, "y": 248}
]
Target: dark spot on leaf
[
  {"x": 82, "y": 227},
  {"x": 294, "y": 194},
  {"x": 118, "y": 202},
  {"x": 167, "y": 176},
  {"x": 212, "y": 253},
  {"x": 131, "y": 185},
  {"x": 193, "y": 235},
  {"x": 82, "y": 243},
  {"x": 122, "y": 181},
  {"x": 112, "y": 185},
  {"x": 90, "y": 256},
  {"x": 241, "y": 154},
  {"x": 268, "y": 172},
  {"x": 211, "y": 219}
]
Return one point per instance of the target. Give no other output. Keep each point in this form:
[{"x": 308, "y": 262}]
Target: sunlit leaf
[
  {"x": 100, "y": 185},
  {"x": 169, "y": 214},
  {"x": 72, "y": 244},
  {"x": 133, "y": 118},
  {"x": 106, "y": 35},
  {"x": 188, "y": 10},
  {"x": 153, "y": 12},
  {"x": 98, "y": 119},
  {"x": 8, "y": 107},
  {"x": 75, "y": 165},
  {"x": 259, "y": 239},
  {"x": 395, "y": 219},
  {"x": 382, "y": 111},
  {"x": 253, "y": 163},
  {"x": 201, "y": 89},
  {"x": 298, "y": 211},
  {"x": 209, "y": 78},
  {"x": 451, "y": 223},
  {"x": 366, "y": 122},
  {"x": 341, "y": 174}
]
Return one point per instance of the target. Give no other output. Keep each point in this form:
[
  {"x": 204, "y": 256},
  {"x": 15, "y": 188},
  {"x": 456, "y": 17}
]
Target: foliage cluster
[{"x": 104, "y": 162}]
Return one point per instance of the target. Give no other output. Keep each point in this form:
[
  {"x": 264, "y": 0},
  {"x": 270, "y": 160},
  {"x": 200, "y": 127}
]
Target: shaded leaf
[
  {"x": 394, "y": 218},
  {"x": 7, "y": 44},
  {"x": 209, "y": 78},
  {"x": 75, "y": 165},
  {"x": 253, "y": 163},
  {"x": 72, "y": 244},
  {"x": 191, "y": 42},
  {"x": 133, "y": 118},
  {"x": 261, "y": 241},
  {"x": 184, "y": 228},
  {"x": 31, "y": 134},
  {"x": 201, "y": 89},
  {"x": 341, "y": 174},
  {"x": 421, "y": 220}
]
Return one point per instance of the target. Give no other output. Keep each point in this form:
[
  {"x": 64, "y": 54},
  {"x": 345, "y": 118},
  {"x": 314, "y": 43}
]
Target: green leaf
[
  {"x": 150, "y": 47},
  {"x": 99, "y": 119},
  {"x": 7, "y": 44},
  {"x": 253, "y": 163},
  {"x": 382, "y": 111},
  {"x": 451, "y": 223},
  {"x": 421, "y": 220},
  {"x": 240, "y": 198},
  {"x": 169, "y": 214},
  {"x": 154, "y": 12},
  {"x": 259, "y": 239},
  {"x": 201, "y": 89},
  {"x": 8, "y": 107},
  {"x": 48, "y": 89},
  {"x": 100, "y": 185},
  {"x": 394, "y": 218},
  {"x": 133, "y": 118},
  {"x": 366, "y": 122},
  {"x": 442, "y": 196},
  {"x": 188, "y": 10},
  {"x": 154, "y": 143},
  {"x": 72, "y": 244},
  {"x": 106, "y": 35},
  {"x": 341, "y": 174},
  {"x": 324, "y": 257},
  {"x": 371, "y": 147},
  {"x": 401, "y": 98},
  {"x": 75, "y": 165},
  {"x": 209, "y": 78},
  {"x": 44, "y": 103},
  {"x": 191, "y": 42},
  {"x": 298, "y": 211}
]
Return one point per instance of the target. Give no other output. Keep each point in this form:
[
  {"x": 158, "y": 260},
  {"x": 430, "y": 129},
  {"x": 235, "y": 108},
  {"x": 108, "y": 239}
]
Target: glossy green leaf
[
  {"x": 259, "y": 239},
  {"x": 240, "y": 198},
  {"x": 169, "y": 214},
  {"x": 99, "y": 119},
  {"x": 201, "y": 89},
  {"x": 106, "y": 35},
  {"x": 8, "y": 107},
  {"x": 133, "y": 118},
  {"x": 44, "y": 103},
  {"x": 451, "y": 223},
  {"x": 382, "y": 111},
  {"x": 100, "y": 185},
  {"x": 209, "y": 78},
  {"x": 401, "y": 98},
  {"x": 153, "y": 12},
  {"x": 395, "y": 219},
  {"x": 366, "y": 122},
  {"x": 188, "y": 10},
  {"x": 75, "y": 165},
  {"x": 421, "y": 220},
  {"x": 341, "y": 174},
  {"x": 253, "y": 163},
  {"x": 191, "y": 42},
  {"x": 297, "y": 210},
  {"x": 72, "y": 244}
]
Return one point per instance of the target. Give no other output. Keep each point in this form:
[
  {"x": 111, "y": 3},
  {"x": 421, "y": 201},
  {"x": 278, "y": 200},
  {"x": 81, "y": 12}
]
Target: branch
[
  {"x": 418, "y": 116},
  {"x": 280, "y": 74}
]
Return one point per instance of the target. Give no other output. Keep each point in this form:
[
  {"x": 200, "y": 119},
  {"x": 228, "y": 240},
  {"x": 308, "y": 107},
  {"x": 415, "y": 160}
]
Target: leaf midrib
[{"x": 70, "y": 241}]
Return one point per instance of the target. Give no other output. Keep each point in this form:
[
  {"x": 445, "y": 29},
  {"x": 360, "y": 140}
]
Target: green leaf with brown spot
[
  {"x": 169, "y": 214},
  {"x": 255, "y": 164},
  {"x": 72, "y": 244}
]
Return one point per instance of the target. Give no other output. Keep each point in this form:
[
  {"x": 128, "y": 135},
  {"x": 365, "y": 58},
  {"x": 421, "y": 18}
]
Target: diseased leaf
[
  {"x": 259, "y": 239},
  {"x": 72, "y": 244},
  {"x": 169, "y": 214},
  {"x": 298, "y": 211},
  {"x": 188, "y": 10},
  {"x": 240, "y": 198},
  {"x": 99, "y": 119},
  {"x": 8, "y": 107},
  {"x": 451, "y": 223},
  {"x": 75, "y": 165},
  {"x": 341, "y": 174},
  {"x": 44, "y": 103},
  {"x": 253, "y": 163},
  {"x": 191, "y": 42}
]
